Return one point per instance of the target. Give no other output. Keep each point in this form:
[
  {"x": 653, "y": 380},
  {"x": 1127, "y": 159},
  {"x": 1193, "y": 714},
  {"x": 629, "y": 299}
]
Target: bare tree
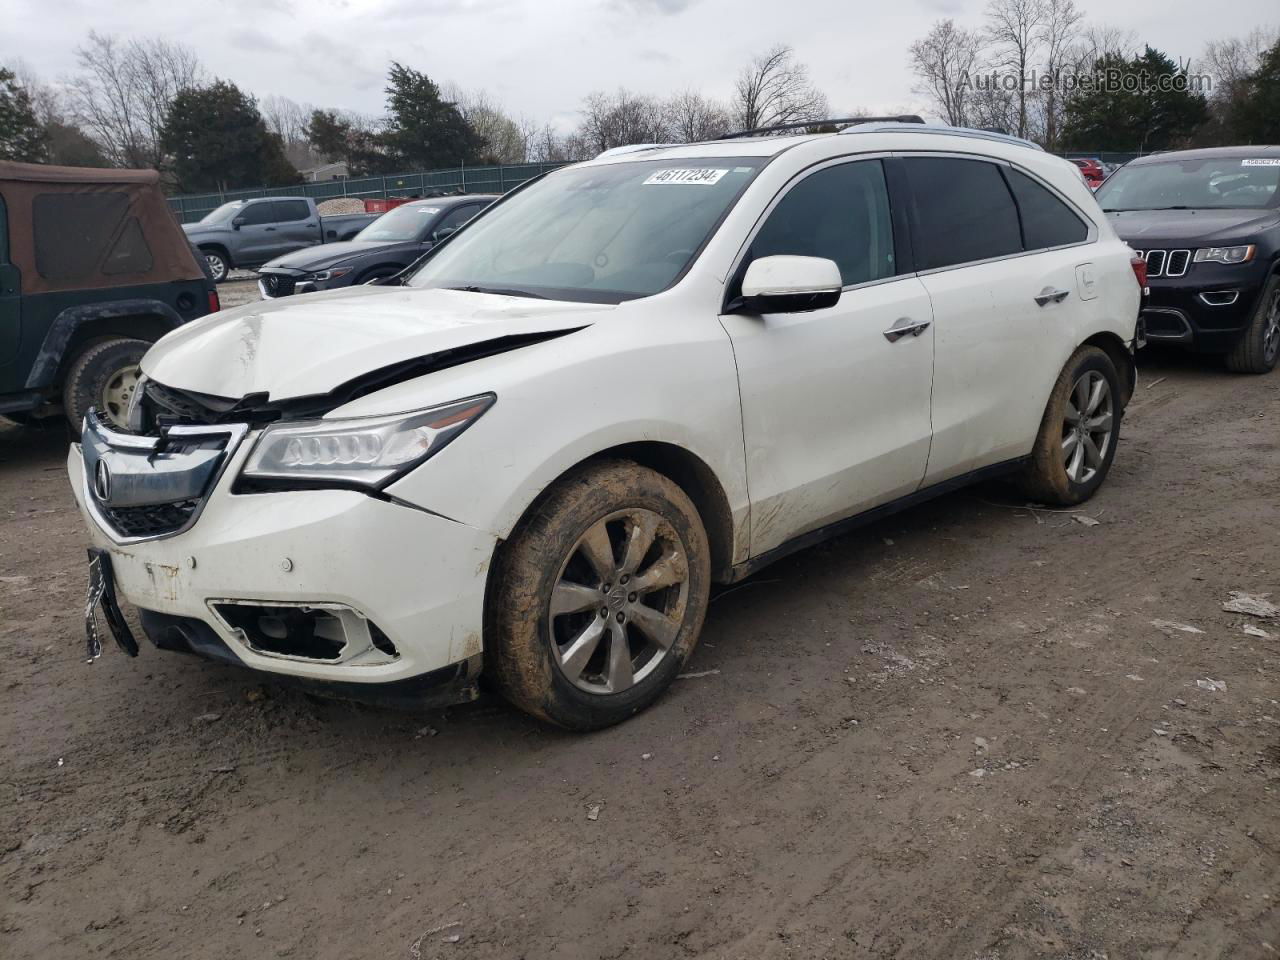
[
  {"x": 291, "y": 121},
  {"x": 620, "y": 119},
  {"x": 944, "y": 61},
  {"x": 505, "y": 140},
  {"x": 775, "y": 88},
  {"x": 1015, "y": 29},
  {"x": 1058, "y": 33},
  {"x": 690, "y": 117},
  {"x": 1230, "y": 64},
  {"x": 123, "y": 93}
]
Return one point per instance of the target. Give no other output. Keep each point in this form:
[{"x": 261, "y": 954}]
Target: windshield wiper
[{"x": 499, "y": 291}]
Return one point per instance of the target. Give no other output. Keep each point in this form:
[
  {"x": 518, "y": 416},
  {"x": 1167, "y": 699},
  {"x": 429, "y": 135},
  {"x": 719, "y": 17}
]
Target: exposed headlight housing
[
  {"x": 322, "y": 275},
  {"x": 366, "y": 452},
  {"x": 1240, "y": 254}
]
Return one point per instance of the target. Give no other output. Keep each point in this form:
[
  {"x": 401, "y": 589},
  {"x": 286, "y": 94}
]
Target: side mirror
[
  {"x": 237, "y": 223},
  {"x": 443, "y": 232},
  {"x": 786, "y": 284}
]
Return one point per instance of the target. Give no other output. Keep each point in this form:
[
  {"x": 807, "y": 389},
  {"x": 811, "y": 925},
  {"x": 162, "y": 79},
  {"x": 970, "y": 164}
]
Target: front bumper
[
  {"x": 1207, "y": 309},
  {"x": 420, "y": 578}
]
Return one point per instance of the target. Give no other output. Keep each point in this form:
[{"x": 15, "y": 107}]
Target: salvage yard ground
[{"x": 975, "y": 730}]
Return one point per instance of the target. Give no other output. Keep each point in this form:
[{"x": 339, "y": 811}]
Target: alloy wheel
[
  {"x": 619, "y": 601},
  {"x": 117, "y": 392},
  {"x": 1088, "y": 427},
  {"x": 1271, "y": 333},
  {"x": 217, "y": 267}
]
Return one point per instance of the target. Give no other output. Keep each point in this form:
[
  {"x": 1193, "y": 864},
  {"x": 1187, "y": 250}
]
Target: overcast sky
[{"x": 538, "y": 57}]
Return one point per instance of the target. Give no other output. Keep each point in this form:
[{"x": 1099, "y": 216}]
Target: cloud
[{"x": 666, "y": 7}]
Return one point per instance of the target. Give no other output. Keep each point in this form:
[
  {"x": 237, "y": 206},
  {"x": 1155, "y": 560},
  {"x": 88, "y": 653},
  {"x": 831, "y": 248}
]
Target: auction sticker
[
  {"x": 703, "y": 176},
  {"x": 1264, "y": 162}
]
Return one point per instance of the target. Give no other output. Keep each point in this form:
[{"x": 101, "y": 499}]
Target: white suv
[{"x": 626, "y": 381}]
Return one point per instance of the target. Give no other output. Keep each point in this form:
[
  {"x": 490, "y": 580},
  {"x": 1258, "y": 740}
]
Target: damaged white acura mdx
[{"x": 532, "y": 455}]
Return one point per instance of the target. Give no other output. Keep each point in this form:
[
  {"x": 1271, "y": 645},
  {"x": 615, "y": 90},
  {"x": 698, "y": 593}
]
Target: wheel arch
[
  {"x": 1118, "y": 351},
  {"x": 219, "y": 248},
  {"x": 76, "y": 328},
  {"x": 686, "y": 470}
]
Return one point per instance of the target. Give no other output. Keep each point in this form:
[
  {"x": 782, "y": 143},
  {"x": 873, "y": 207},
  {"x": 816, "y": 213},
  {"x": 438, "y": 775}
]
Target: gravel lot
[{"x": 975, "y": 730}]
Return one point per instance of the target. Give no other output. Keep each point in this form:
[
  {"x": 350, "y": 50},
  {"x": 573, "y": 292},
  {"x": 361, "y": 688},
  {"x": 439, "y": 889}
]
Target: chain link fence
[{"x": 426, "y": 183}]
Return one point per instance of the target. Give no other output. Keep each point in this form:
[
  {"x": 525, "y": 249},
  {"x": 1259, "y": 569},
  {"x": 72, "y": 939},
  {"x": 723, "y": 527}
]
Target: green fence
[{"x": 495, "y": 179}]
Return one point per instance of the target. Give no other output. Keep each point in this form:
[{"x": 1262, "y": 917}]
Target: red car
[{"x": 1092, "y": 172}]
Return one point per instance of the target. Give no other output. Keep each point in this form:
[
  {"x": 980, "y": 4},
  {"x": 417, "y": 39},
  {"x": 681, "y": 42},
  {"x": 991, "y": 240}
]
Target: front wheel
[
  {"x": 598, "y": 598},
  {"x": 1259, "y": 346},
  {"x": 1078, "y": 433},
  {"x": 219, "y": 268},
  {"x": 105, "y": 376}
]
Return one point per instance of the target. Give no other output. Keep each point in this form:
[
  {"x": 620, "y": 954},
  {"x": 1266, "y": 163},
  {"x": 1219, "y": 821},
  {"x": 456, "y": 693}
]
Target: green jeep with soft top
[{"x": 94, "y": 268}]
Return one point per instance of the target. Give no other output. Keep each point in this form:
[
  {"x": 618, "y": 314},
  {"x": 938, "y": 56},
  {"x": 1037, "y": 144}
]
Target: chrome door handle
[
  {"x": 906, "y": 327},
  {"x": 1049, "y": 295}
]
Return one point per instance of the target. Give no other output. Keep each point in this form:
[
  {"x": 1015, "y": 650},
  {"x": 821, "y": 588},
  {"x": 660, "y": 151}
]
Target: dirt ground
[{"x": 972, "y": 731}]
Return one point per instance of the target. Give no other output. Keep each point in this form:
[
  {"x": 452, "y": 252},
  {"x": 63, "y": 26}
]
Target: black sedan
[
  {"x": 382, "y": 249},
  {"x": 1207, "y": 222}
]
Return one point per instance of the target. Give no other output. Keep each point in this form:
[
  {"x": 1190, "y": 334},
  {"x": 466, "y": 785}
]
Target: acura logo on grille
[{"x": 102, "y": 481}]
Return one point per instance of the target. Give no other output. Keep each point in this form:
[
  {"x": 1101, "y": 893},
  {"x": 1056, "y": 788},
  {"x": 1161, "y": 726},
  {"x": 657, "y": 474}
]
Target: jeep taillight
[
  {"x": 1139, "y": 271},
  {"x": 215, "y": 305}
]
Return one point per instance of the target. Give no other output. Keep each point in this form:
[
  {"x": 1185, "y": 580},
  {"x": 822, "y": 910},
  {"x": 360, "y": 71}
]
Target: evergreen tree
[
  {"x": 1144, "y": 103},
  {"x": 425, "y": 130},
  {"x": 1255, "y": 117},
  {"x": 22, "y": 136},
  {"x": 218, "y": 141}
]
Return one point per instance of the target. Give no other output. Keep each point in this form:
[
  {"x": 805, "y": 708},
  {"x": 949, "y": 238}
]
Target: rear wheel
[
  {"x": 1078, "y": 433},
  {"x": 1259, "y": 347},
  {"x": 104, "y": 376},
  {"x": 598, "y": 598},
  {"x": 219, "y": 267}
]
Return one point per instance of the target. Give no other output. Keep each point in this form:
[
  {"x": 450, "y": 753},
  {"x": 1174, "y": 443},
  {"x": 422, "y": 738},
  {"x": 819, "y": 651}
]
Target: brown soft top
[
  {"x": 59, "y": 244},
  {"x": 45, "y": 173}
]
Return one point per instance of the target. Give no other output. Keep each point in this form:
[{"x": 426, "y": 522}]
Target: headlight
[
  {"x": 334, "y": 274},
  {"x": 368, "y": 452},
  {"x": 1241, "y": 254}
]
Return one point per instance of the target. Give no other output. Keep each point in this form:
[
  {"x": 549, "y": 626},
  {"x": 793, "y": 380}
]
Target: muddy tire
[
  {"x": 1259, "y": 346},
  {"x": 103, "y": 376},
  {"x": 1078, "y": 433},
  {"x": 598, "y": 597},
  {"x": 218, "y": 264}
]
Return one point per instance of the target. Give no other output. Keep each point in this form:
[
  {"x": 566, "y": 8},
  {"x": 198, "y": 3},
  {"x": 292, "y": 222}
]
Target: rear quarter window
[
  {"x": 1046, "y": 220},
  {"x": 961, "y": 212}
]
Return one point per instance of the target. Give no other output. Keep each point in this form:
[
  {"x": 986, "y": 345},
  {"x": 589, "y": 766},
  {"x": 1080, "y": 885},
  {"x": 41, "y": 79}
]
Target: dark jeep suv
[
  {"x": 93, "y": 269},
  {"x": 1207, "y": 222}
]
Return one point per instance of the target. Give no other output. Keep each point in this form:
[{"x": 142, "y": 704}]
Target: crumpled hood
[
  {"x": 1142, "y": 228},
  {"x": 303, "y": 346},
  {"x": 326, "y": 255}
]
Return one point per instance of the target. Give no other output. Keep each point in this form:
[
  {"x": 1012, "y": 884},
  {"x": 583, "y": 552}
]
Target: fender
[{"x": 49, "y": 358}]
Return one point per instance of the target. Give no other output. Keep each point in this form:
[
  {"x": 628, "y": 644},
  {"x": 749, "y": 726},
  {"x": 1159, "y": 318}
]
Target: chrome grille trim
[{"x": 1166, "y": 263}]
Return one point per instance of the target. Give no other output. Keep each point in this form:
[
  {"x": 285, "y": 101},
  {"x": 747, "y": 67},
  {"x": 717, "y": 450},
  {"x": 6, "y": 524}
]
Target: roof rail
[
  {"x": 634, "y": 148},
  {"x": 876, "y": 127},
  {"x": 803, "y": 124}
]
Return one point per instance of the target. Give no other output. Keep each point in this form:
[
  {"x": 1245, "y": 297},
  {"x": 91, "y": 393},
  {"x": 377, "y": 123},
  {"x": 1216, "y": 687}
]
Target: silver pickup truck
[{"x": 248, "y": 233}]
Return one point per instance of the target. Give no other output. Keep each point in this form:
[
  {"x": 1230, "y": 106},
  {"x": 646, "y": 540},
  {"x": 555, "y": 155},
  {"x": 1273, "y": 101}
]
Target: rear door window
[
  {"x": 961, "y": 212},
  {"x": 290, "y": 210},
  {"x": 72, "y": 232},
  {"x": 840, "y": 213},
  {"x": 1046, "y": 220}
]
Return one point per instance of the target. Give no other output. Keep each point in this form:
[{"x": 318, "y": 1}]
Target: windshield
[
  {"x": 401, "y": 224},
  {"x": 1223, "y": 182},
  {"x": 600, "y": 234},
  {"x": 223, "y": 213}
]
